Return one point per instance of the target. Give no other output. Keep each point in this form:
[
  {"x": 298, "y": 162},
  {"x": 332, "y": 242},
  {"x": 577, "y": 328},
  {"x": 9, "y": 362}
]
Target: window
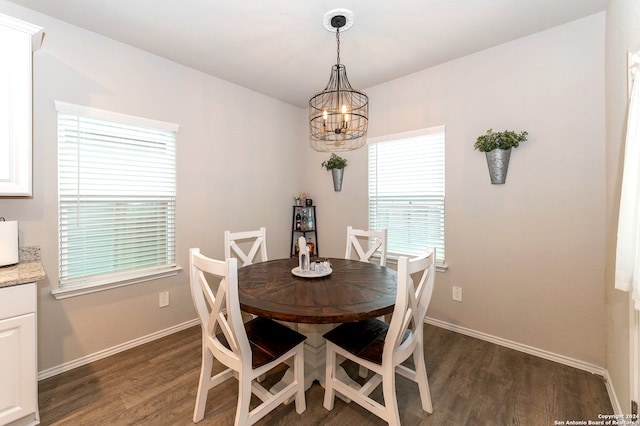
[
  {"x": 116, "y": 199},
  {"x": 406, "y": 191}
]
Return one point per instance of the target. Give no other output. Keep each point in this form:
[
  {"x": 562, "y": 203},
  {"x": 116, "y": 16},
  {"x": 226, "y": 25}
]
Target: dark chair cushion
[
  {"x": 364, "y": 339},
  {"x": 268, "y": 340}
]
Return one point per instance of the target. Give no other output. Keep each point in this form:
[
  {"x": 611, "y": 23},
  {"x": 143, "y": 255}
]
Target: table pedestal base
[{"x": 315, "y": 353}]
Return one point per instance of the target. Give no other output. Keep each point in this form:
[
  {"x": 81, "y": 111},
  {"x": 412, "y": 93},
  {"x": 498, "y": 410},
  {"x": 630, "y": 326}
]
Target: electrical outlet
[
  {"x": 456, "y": 294},
  {"x": 164, "y": 299}
]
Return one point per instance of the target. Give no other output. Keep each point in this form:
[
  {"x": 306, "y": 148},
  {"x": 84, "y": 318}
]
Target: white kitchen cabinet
[
  {"x": 18, "y": 41},
  {"x": 18, "y": 364}
]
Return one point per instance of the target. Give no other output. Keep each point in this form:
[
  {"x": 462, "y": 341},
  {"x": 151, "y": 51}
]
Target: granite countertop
[{"x": 27, "y": 270}]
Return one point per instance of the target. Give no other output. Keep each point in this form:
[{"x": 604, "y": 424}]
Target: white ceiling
[{"x": 281, "y": 49}]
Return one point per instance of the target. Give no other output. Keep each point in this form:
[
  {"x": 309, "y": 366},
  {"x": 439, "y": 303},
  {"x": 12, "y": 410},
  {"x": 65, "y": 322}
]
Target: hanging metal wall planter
[
  {"x": 337, "y": 179},
  {"x": 498, "y": 163},
  {"x": 497, "y": 148},
  {"x": 336, "y": 164}
]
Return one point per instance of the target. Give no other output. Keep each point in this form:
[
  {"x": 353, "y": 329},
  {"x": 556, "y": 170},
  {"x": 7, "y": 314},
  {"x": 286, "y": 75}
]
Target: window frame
[{"x": 114, "y": 279}]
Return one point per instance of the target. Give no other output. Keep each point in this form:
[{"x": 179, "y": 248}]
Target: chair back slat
[
  {"x": 376, "y": 239},
  {"x": 233, "y": 249},
  {"x": 424, "y": 290}
]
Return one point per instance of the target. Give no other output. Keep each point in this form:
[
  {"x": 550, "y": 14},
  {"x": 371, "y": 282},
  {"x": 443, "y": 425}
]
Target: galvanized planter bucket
[
  {"x": 498, "y": 162},
  {"x": 337, "y": 179}
]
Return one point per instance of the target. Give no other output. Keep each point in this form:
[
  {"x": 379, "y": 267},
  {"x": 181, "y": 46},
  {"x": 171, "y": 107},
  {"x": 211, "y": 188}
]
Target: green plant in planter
[
  {"x": 335, "y": 162},
  {"x": 499, "y": 140}
]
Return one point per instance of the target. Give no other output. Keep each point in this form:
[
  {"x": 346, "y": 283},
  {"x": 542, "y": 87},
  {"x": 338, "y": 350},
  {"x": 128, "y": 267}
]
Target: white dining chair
[
  {"x": 382, "y": 347},
  {"x": 233, "y": 240},
  {"x": 376, "y": 241},
  {"x": 247, "y": 350}
]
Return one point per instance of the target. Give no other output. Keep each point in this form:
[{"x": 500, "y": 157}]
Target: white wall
[
  {"x": 623, "y": 35},
  {"x": 529, "y": 254},
  {"x": 236, "y": 153}
]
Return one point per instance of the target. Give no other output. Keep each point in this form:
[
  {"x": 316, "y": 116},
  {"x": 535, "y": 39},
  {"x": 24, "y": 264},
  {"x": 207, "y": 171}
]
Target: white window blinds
[
  {"x": 117, "y": 196},
  {"x": 406, "y": 191}
]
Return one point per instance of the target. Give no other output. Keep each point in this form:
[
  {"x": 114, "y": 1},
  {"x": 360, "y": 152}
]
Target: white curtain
[{"x": 628, "y": 247}]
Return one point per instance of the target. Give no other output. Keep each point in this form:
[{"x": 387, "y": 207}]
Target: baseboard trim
[
  {"x": 611, "y": 390},
  {"x": 50, "y": 372},
  {"x": 571, "y": 362}
]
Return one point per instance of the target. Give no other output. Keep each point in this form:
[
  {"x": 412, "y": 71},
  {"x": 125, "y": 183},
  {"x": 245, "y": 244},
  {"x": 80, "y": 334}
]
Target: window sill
[
  {"x": 440, "y": 266},
  {"x": 79, "y": 290}
]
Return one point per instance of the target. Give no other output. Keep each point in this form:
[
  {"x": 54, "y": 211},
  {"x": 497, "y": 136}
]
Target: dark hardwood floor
[{"x": 472, "y": 383}]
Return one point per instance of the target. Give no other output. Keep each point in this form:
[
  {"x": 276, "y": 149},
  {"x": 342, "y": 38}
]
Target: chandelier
[{"x": 338, "y": 116}]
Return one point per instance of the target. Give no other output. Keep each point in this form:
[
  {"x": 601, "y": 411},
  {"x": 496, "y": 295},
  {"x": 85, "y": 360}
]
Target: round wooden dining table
[{"x": 353, "y": 291}]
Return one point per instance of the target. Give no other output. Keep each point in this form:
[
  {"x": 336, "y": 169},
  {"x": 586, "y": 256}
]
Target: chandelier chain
[{"x": 338, "y": 43}]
